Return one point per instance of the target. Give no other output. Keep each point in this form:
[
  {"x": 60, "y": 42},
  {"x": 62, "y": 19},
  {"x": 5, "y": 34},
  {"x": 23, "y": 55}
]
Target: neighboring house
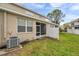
[
  {"x": 16, "y": 20},
  {"x": 73, "y": 27}
]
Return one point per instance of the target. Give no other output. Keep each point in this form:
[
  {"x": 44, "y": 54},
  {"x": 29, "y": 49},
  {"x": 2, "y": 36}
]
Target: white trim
[
  {"x": 30, "y": 26},
  {"x": 26, "y": 26},
  {"x": 40, "y": 31}
]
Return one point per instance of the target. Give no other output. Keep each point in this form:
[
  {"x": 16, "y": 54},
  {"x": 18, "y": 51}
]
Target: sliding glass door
[{"x": 43, "y": 29}]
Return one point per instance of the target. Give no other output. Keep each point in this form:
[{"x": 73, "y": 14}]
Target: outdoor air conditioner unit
[{"x": 12, "y": 42}]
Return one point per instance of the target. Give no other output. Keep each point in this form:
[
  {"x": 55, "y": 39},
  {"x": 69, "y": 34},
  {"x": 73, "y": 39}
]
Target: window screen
[
  {"x": 21, "y": 25},
  {"x": 29, "y": 26}
]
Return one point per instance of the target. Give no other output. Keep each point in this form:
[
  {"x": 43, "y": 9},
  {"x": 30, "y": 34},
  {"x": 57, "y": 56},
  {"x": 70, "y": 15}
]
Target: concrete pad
[{"x": 2, "y": 53}]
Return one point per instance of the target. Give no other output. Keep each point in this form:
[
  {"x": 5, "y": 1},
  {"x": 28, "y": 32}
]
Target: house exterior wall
[
  {"x": 76, "y": 23},
  {"x": 10, "y": 28},
  {"x": 73, "y": 30},
  {"x": 2, "y": 40}
]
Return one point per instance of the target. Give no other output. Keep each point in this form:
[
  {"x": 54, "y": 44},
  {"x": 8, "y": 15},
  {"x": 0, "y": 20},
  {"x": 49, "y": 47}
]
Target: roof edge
[{"x": 28, "y": 9}]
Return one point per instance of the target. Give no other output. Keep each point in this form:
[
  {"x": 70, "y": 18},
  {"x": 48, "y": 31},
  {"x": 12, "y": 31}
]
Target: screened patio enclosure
[{"x": 40, "y": 29}]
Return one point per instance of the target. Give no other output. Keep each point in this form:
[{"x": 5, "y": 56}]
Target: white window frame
[
  {"x": 25, "y": 25},
  {"x": 17, "y": 24},
  {"x": 31, "y": 25}
]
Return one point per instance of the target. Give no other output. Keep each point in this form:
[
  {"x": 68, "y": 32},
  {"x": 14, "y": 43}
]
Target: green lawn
[{"x": 68, "y": 45}]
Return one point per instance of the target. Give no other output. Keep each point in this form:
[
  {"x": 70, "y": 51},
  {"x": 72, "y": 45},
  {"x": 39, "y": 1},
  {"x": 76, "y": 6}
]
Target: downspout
[{"x": 5, "y": 25}]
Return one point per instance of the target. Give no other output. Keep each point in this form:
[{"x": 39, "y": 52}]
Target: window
[
  {"x": 29, "y": 26},
  {"x": 24, "y": 25},
  {"x": 76, "y": 26},
  {"x": 21, "y": 25}
]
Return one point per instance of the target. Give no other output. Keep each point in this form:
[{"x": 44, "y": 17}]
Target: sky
[{"x": 71, "y": 10}]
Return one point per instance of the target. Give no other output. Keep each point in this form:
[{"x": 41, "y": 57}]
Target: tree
[{"x": 56, "y": 16}]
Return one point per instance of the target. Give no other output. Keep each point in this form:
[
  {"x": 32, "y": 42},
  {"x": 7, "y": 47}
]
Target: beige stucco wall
[
  {"x": 73, "y": 30},
  {"x": 1, "y": 29},
  {"x": 12, "y": 28}
]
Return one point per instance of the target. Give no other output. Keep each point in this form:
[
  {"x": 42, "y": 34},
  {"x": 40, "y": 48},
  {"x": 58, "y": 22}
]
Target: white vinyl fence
[
  {"x": 73, "y": 31},
  {"x": 53, "y": 32}
]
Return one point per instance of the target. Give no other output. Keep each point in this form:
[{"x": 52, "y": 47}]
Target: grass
[{"x": 68, "y": 45}]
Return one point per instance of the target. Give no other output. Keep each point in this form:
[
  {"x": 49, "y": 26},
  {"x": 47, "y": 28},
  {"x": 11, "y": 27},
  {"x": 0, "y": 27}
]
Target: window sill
[{"x": 24, "y": 32}]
